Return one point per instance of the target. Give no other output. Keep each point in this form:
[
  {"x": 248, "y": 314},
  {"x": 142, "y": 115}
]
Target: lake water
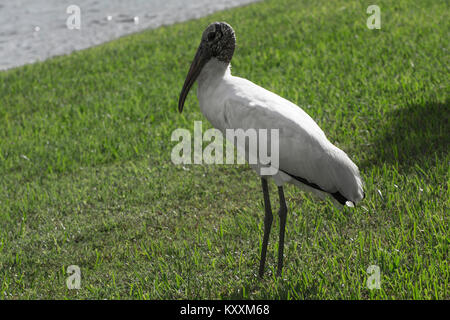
[{"x": 34, "y": 30}]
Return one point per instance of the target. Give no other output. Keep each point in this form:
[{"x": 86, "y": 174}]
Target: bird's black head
[{"x": 218, "y": 41}]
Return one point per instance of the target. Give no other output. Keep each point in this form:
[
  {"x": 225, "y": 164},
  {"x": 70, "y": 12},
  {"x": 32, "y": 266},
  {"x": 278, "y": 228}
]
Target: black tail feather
[{"x": 336, "y": 195}]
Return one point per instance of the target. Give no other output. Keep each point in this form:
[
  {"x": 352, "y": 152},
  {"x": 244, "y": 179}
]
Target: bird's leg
[
  {"x": 268, "y": 218},
  {"x": 282, "y": 213}
]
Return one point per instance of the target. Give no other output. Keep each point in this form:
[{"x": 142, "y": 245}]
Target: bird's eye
[{"x": 211, "y": 36}]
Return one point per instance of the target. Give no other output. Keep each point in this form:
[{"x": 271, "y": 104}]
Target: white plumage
[{"x": 230, "y": 102}]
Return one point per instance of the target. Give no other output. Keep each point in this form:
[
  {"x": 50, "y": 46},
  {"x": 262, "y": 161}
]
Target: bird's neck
[{"x": 212, "y": 71}]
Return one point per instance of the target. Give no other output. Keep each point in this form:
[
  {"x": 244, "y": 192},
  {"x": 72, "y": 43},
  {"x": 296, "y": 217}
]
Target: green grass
[{"x": 86, "y": 177}]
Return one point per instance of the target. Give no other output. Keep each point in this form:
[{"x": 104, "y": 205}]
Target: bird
[{"x": 307, "y": 159}]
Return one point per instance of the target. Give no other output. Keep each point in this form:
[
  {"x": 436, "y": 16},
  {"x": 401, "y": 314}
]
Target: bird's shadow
[{"x": 414, "y": 134}]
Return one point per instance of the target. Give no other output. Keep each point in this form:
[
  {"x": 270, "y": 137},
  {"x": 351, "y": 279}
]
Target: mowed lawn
[{"x": 86, "y": 176}]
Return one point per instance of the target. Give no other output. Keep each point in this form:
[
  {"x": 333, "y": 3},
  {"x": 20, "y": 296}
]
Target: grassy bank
[{"x": 86, "y": 177}]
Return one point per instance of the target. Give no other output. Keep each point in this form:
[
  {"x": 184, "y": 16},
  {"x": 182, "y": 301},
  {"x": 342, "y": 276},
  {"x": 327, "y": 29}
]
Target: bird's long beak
[{"x": 201, "y": 57}]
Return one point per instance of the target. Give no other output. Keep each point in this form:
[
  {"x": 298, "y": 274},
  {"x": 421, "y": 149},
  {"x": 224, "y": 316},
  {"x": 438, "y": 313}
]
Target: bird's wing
[{"x": 304, "y": 150}]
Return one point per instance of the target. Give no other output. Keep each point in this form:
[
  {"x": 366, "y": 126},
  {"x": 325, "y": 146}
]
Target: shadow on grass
[{"x": 412, "y": 135}]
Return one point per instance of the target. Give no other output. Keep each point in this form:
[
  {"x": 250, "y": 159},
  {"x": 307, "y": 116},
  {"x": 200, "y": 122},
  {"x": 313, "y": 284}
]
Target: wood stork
[{"x": 306, "y": 158}]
